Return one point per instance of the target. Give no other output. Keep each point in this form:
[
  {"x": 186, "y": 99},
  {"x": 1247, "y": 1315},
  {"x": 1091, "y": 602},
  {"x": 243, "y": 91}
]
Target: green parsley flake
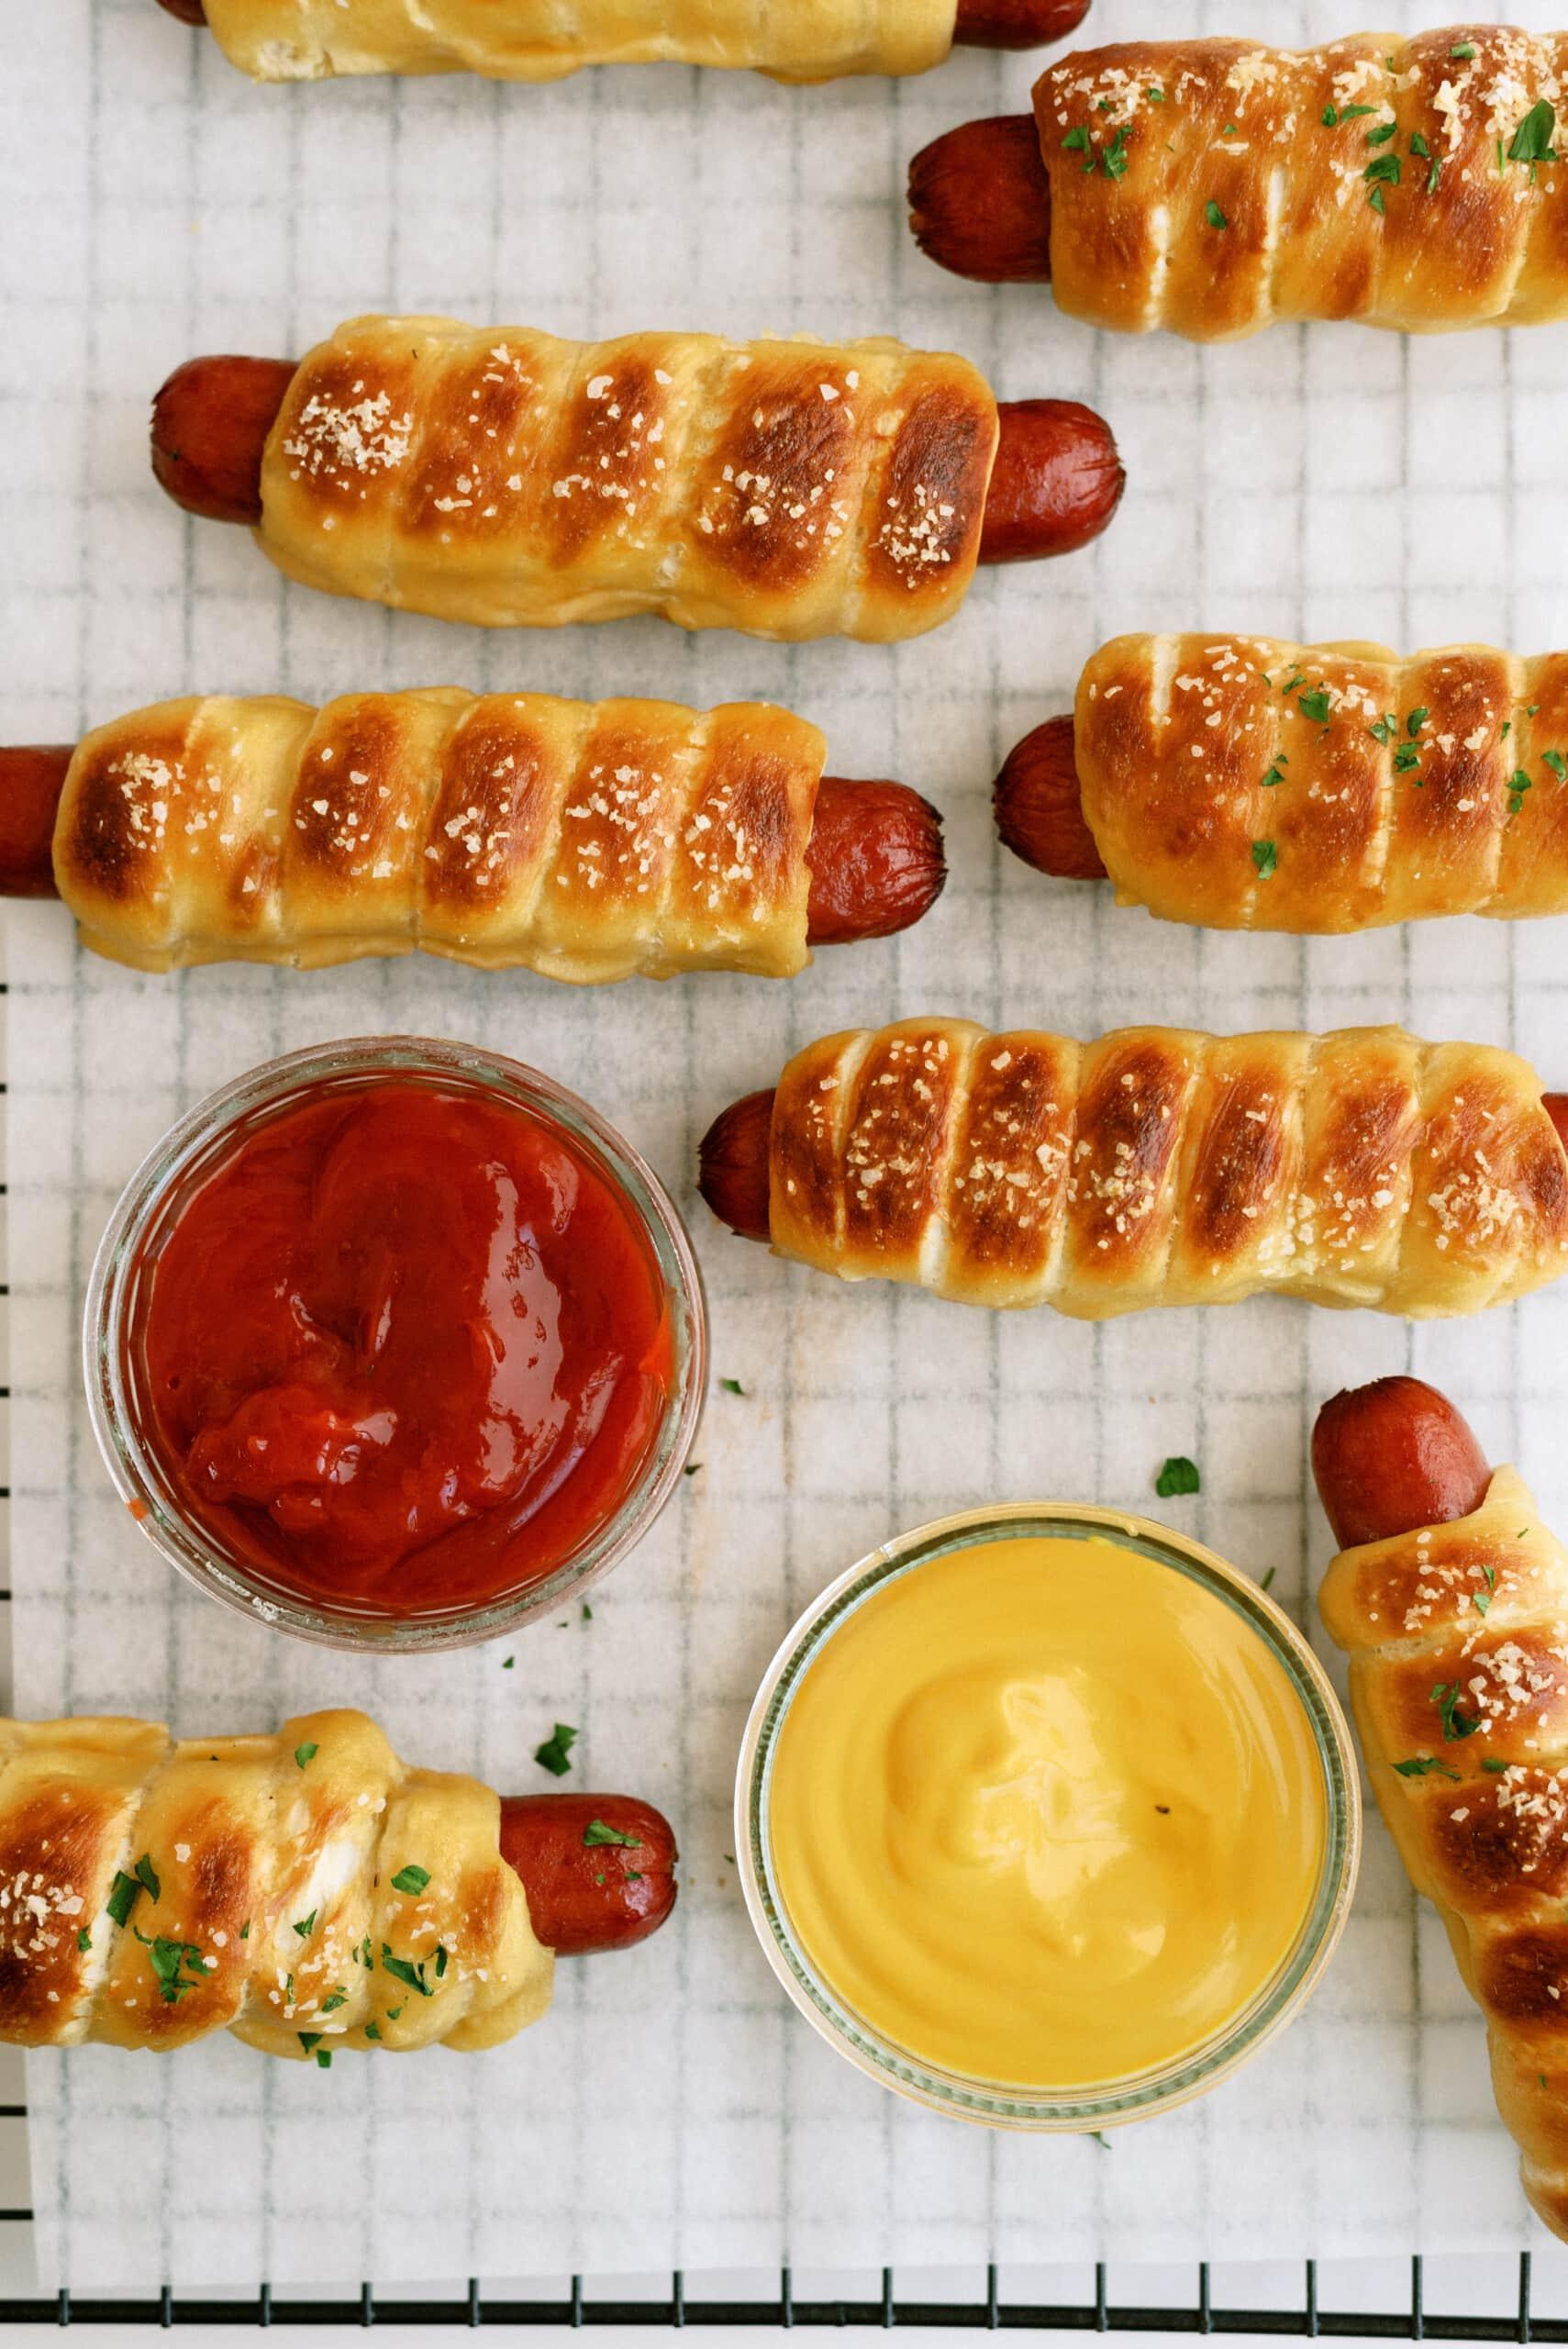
[
  {"x": 691, "y": 1468},
  {"x": 1268, "y": 1578},
  {"x": 1519, "y": 784},
  {"x": 166, "y": 1958},
  {"x": 1155, "y": 97},
  {"x": 1419, "y": 146},
  {"x": 1414, "y": 722},
  {"x": 401, "y": 1970},
  {"x": 1434, "y": 175},
  {"x": 507, "y": 1662},
  {"x": 309, "y": 2039},
  {"x": 245, "y": 1930},
  {"x": 1330, "y": 119},
  {"x": 1531, "y": 143},
  {"x": 373, "y": 2028},
  {"x": 440, "y": 1959},
  {"x": 1422, "y": 1766},
  {"x": 124, "y": 1894},
  {"x": 1114, "y": 159},
  {"x": 1383, "y": 731},
  {"x": 1492, "y": 1763},
  {"x": 1274, "y": 776},
  {"x": 1317, "y": 705},
  {"x": 1213, "y": 215},
  {"x": 1381, "y": 135},
  {"x": 392, "y": 2013},
  {"x": 1557, "y": 762},
  {"x": 306, "y": 1926},
  {"x": 732, "y": 1386},
  {"x": 1456, "y": 1725},
  {"x": 1466, "y": 49},
  {"x": 596, "y": 1831},
  {"x": 587, "y": 1612},
  {"x": 411, "y": 1879},
  {"x": 145, "y": 1874},
  {"x": 304, "y": 1754},
  {"x": 1406, "y": 758},
  {"x": 552, "y": 1755},
  {"x": 1179, "y": 1475},
  {"x": 1265, "y": 856},
  {"x": 1480, "y": 1601},
  {"x": 83, "y": 1940},
  {"x": 335, "y": 1999},
  {"x": 1349, "y": 113},
  {"x": 324, "y": 2058}
]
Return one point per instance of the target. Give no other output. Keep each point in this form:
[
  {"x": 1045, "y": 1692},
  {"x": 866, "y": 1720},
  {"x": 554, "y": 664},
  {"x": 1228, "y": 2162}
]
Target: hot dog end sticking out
[
  {"x": 1393, "y": 1456},
  {"x": 598, "y": 1869},
  {"x": 980, "y": 202}
]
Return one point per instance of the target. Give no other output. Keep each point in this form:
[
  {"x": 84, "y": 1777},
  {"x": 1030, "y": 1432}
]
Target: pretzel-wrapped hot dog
[
  {"x": 1211, "y": 188},
  {"x": 1156, "y": 1167},
  {"x": 586, "y": 841},
  {"x": 502, "y": 477},
  {"x": 1248, "y": 784},
  {"x": 298, "y": 1890},
  {"x": 1456, "y": 1625}
]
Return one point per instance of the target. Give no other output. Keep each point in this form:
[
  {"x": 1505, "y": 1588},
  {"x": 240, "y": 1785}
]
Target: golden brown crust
[
  {"x": 588, "y": 841},
  {"x": 500, "y": 476},
  {"x": 541, "y": 40},
  {"x": 1159, "y": 1166},
  {"x": 1458, "y": 1636},
  {"x": 1245, "y": 783},
  {"x": 1213, "y": 187},
  {"x": 252, "y": 1884}
]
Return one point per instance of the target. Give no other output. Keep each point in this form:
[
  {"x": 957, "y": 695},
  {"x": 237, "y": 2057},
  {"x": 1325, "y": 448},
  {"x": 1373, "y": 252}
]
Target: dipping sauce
[
  {"x": 406, "y": 1347},
  {"x": 1046, "y": 1813}
]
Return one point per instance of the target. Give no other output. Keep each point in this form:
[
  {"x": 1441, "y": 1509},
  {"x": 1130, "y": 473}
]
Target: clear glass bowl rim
[
  {"x": 1077, "y": 2109},
  {"x": 198, "y": 1134}
]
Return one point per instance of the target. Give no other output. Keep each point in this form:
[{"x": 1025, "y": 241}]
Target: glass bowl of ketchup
[{"x": 395, "y": 1343}]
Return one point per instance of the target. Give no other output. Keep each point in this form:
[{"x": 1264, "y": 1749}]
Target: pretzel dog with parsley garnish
[
  {"x": 1245, "y": 784},
  {"x": 306, "y": 1891},
  {"x": 1211, "y": 188},
  {"x": 1451, "y": 1598}
]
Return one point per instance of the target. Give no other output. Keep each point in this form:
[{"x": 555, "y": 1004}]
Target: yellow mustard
[{"x": 1046, "y": 1813}]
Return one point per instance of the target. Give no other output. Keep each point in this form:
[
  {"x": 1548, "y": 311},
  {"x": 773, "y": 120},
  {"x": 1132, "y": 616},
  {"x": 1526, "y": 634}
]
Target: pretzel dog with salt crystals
[
  {"x": 1212, "y": 187},
  {"x": 539, "y": 40},
  {"x": 307, "y": 1891},
  {"x": 506, "y": 478},
  {"x": 1155, "y": 1167},
  {"x": 1248, "y": 784}
]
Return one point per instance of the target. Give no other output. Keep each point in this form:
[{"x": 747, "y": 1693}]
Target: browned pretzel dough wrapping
[
  {"x": 1211, "y": 188},
  {"x": 1159, "y": 1166},
  {"x": 588, "y": 841},
  {"x": 158, "y": 1891},
  {"x": 501, "y": 477}
]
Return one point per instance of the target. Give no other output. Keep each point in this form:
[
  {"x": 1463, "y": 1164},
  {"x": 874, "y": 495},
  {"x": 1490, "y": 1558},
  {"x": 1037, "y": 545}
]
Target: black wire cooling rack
[{"x": 475, "y": 2308}]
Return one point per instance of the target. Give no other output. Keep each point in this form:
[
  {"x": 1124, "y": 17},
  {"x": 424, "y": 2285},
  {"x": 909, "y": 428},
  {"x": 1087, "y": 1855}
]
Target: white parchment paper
[{"x": 673, "y": 2111}]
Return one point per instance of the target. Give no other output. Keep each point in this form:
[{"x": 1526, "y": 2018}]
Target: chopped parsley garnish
[
  {"x": 373, "y": 2028},
  {"x": 304, "y": 1754},
  {"x": 1275, "y": 774},
  {"x": 1077, "y": 143},
  {"x": 166, "y": 1958},
  {"x": 1213, "y": 215},
  {"x": 1419, "y": 146},
  {"x": 1155, "y": 97},
  {"x": 401, "y": 1970},
  {"x": 1462, "y": 48},
  {"x": 1414, "y": 722},
  {"x": 507, "y": 1662},
  {"x": 1456, "y": 1725},
  {"x": 1317, "y": 705},
  {"x": 1434, "y": 175},
  {"x": 587, "y": 1612},
  {"x": 392, "y": 2013},
  {"x": 411, "y": 1879},
  {"x": 1330, "y": 119},
  {"x": 1384, "y": 171},
  {"x": 1265, "y": 856},
  {"x": 1495, "y": 1764},
  {"x": 1489, "y": 1575},
  {"x": 1268, "y": 1578},
  {"x": 124, "y": 1894},
  {"x": 552, "y": 1755},
  {"x": 145, "y": 1874},
  {"x": 1557, "y": 762},
  {"x": 1406, "y": 758},
  {"x": 1177, "y": 1476},
  {"x": 245, "y": 1930},
  {"x": 732, "y": 1386},
  {"x": 1421, "y": 1765},
  {"x": 691, "y": 1468},
  {"x": 596, "y": 1831},
  {"x": 333, "y": 2000},
  {"x": 1480, "y": 1601},
  {"x": 440, "y": 1959},
  {"x": 1349, "y": 113},
  {"x": 1531, "y": 143},
  {"x": 324, "y": 2057},
  {"x": 1519, "y": 784},
  {"x": 1382, "y": 134},
  {"x": 288, "y": 1991},
  {"x": 309, "y": 2039},
  {"x": 83, "y": 1940},
  {"x": 1114, "y": 159},
  {"x": 1383, "y": 731},
  {"x": 305, "y": 1926}
]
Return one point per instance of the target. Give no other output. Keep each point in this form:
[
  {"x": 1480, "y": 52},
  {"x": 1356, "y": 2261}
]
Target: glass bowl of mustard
[
  {"x": 1047, "y": 1817},
  {"x": 395, "y": 1345}
]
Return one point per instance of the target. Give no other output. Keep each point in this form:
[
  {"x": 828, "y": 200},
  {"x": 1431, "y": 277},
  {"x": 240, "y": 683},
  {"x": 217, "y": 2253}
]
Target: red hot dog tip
[
  {"x": 876, "y": 861},
  {"x": 1011, "y": 24},
  {"x": 1056, "y": 482},
  {"x": 980, "y": 202},
  {"x": 1039, "y": 806},
  {"x": 189, "y": 12},
  {"x": 732, "y": 1168},
  {"x": 1393, "y": 1456},
  {"x": 210, "y": 423},
  {"x": 1556, "y": 1108},
  {"x": 589, "y": 1887},
  {"x": 31, "y": 780}
]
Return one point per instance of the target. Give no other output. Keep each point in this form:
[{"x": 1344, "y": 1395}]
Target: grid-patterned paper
[{"x": 673, "y": 2110}]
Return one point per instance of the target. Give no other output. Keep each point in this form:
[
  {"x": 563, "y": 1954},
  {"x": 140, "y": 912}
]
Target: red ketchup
[{"x": 406, "y": 1349}]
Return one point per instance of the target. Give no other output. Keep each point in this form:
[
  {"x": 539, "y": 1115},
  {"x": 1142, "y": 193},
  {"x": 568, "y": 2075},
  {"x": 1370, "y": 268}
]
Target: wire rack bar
[{"x": 476, "y": 2309}]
